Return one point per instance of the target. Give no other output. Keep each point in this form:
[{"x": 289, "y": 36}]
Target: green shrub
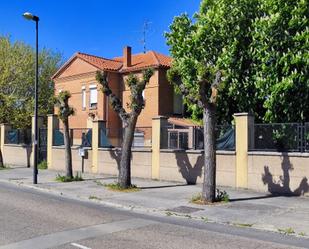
[
  {"x": 222, "y": 196},
  {"x": 5, "y": 167},
  {"x": 93, "y": 197},
  {"x": 116, "y": 187},
  {"x": 42, "y": 165},
  {"x": 286, "y": 231},
  {"x": 77, "y": 178}
]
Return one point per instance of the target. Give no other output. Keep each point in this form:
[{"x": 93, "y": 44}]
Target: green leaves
[
  {"x": 261, "y": 46},
  {"x": 17, "y": 82}
]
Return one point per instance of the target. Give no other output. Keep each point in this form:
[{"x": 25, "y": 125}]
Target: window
[
  {"x": 84, "y": 98},
  {"x": 93, "y": 100}
]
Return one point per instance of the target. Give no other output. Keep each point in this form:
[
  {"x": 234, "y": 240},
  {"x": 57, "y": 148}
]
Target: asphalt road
[{"x": 30, "y": 219}]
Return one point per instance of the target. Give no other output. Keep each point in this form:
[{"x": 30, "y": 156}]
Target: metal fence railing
[
  {"x": 78, "y": 137},
  {"x": 175, "y": 137},
  {"x": 18, "y": 136},
  {"x": 281, "y": 137},
  {"x": 109, "y": 137}
]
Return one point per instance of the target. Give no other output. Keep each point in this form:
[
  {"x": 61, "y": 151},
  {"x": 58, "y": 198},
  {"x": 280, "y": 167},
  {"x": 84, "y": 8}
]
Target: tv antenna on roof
[{"x": 146, "y": 29}]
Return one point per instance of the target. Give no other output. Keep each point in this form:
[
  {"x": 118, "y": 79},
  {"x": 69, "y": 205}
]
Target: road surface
[{"x": 31, "y": 219}]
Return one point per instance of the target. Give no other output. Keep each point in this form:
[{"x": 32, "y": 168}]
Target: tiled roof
[
  {"x": 100, "y": 62},
  {"x": 182, "y": 122},
  {"x": 149, "y": 59},
  {"x": 139, "y": 62}
]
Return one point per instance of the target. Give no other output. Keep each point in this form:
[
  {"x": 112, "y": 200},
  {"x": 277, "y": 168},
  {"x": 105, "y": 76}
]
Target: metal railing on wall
[
  {"x": 18, "y": 136},
  {"x": 281, "y": 137},
  {"x": 176, "y": 137},
  {"x": 79, "y": 137},
  {"x": 110, "y": 137}
]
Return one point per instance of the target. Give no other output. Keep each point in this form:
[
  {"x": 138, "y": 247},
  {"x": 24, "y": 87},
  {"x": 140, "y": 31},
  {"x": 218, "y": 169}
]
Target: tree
[
  {"x": 265, "y": 58},
  {"x": 203, "y": 50},
  {"x": 280, "y": 51},
  {"x": 129, "y": 120},
  {"x": 17, "y": 81},
  {"x": 64, "y": 112}
]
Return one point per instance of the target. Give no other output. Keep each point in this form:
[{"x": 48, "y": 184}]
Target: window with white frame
[
  {"x": 93, "y": 96},
  {"x": 83, "y": 97}
]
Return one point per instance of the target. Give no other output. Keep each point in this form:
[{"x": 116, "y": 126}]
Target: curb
[{"x": 152, "y": 211}]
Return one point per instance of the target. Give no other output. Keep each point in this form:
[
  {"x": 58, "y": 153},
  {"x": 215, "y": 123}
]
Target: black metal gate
[{"x": 42, "y": 145}]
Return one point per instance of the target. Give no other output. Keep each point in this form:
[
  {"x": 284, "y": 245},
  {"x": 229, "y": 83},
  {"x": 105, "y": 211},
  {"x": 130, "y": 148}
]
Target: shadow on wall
[
  {"x": 188, "y": 171},
  {"x": 282, "y": 186}
]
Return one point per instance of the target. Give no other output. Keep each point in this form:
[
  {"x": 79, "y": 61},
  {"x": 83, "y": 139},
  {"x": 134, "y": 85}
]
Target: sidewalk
[{"x": 246, "y": 208}]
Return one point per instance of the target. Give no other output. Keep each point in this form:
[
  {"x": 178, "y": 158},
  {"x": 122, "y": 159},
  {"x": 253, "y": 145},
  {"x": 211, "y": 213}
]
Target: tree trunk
[
  {"x": 209, "y": 184},
  {"x": 1, "y": 160},
  {"x": 124, "y": 177},
  {"x": 68, "y": 152}
]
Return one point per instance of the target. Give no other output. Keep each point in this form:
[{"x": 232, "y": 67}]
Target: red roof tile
[
  {"x": 149, "y": 59},
  {"x": 182, "y": 122},
  {"x": 139, "y": 62},
  {"x": 100, "y": 62}
]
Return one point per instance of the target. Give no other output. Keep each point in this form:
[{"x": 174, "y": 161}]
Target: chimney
[{"x": 127, "y": 56}]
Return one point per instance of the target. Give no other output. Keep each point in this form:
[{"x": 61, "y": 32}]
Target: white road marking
[
  {"x": 80, "y": 246},
  {"x": 64, "y": 237}
]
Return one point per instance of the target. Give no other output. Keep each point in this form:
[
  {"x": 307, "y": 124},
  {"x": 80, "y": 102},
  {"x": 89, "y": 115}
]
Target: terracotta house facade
[{"x": 77, "y": 76}]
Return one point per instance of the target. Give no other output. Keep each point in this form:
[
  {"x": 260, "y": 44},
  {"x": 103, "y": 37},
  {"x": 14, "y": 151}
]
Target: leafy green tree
[
  {"x": 129, "y": 119},
  {"x": 280, "y": 51},
  {"x": 203, "y": 50},
  {"x": 264, "y": 61},
  {"x": 64, "y": 112},
  {"x": 17, "y": 82}
]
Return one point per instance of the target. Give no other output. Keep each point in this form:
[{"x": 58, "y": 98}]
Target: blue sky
[{"x": 97, "y": 27}]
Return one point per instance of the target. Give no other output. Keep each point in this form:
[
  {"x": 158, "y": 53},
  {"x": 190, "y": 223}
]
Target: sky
[{"x": 96, "y": 27}]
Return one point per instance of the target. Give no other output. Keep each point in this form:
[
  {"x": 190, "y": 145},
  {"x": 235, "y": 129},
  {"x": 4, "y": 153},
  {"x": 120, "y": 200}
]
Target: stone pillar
[
  {"x": 52, "y": 124},
  {"x": 244, "y": 140},
  {"x": 97, "y": 125},
  {"x": 40, "y": 125},
  {"x": 3, "y": 129},
  {"x": 157, "y": 124}
]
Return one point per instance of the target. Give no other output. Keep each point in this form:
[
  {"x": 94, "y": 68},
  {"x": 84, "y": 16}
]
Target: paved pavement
[
  {"x": 248, "y": 209},
  {"x": 32, "y": 219}
]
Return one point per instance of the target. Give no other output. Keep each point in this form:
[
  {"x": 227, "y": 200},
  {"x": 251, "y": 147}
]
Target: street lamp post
[{"x": 32, "y": 17}]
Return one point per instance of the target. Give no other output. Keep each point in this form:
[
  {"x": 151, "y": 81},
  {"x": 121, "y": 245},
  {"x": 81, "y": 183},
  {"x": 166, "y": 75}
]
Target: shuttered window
[{"x": 93, "y": 96}]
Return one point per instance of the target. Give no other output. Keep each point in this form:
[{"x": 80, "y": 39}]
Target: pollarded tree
[
  {"x": 64, "y": 112},
  {"x": 129, "y": 119},
  {"x": 204, "y": 49}
]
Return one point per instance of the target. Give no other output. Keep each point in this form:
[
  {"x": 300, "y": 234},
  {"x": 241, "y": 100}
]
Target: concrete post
[
  {"x": 52, "y": 124},
  {"x": 96, "y": 126},
  {"x": 40, "y": 125},
  {"x": 3, "y": 129},
  {"x": 157, "y": 124},
  {"x": 244, "y": 142}
]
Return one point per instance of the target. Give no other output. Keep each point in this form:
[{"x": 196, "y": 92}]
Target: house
[{"x": 77, "y": 75}]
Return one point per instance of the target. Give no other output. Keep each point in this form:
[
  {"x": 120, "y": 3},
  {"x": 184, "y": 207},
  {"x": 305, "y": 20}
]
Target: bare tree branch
[
  {"x": 115, "y": 102},
  {"x": 214, "y": 87}
]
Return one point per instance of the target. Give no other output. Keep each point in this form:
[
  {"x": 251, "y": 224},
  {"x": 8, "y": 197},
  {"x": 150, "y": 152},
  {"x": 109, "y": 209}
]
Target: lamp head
[{"x": 29, "y": 16}]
